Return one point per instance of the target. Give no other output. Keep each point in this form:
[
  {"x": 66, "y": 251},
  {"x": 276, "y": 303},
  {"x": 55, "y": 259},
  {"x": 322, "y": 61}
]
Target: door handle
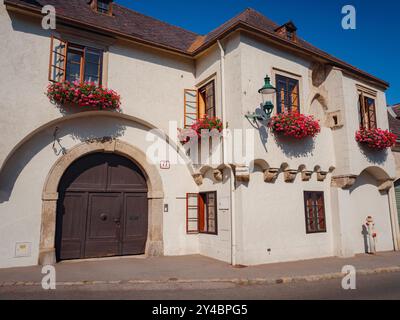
[{"x": 117, "y": 220}]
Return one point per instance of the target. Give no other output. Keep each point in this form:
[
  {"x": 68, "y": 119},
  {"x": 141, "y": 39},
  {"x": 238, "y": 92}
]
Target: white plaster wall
[
  {"x": 257, "y": 60},
  {"x": 24, "y": 177},
  {"x": 359, "y": 157},
  {"x": 368, "y": 201},
  {"x": 24, "y": 61},
  {"x": 273, "y": 218},
  {"x": 218, "y": 246},
  {"x": 150, "y": 82}
]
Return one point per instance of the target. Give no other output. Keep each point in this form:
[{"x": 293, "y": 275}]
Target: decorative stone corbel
[
  {"x": 290, "y": 175},
  {"x": 198, "y": 178},
  {"x": 218, "y": 175},
  {"x": 321, "y": 175},
  {"x": 343, "y": 182},
  {"x": 385, "y": 186},
  {"x": 271, "y": 174},
  {"x": 242, "y": 173},
  {"x": 306, "y": 175}
]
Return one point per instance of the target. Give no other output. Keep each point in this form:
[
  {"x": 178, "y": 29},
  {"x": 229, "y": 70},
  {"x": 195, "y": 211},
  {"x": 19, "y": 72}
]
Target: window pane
[
  {"x": 74, "y": 60},
  {"x": 370, "y": 104},
  {"x": 92, "y": 66},
  {"x": 207, "y": 96},
  {"x": 288, "y": 94},
  {"x": 315, "y": 212},
  {"x": 211, "y": 212},
  {"x": 73, "y": 72},
  {"x": 103, "y": 6}
]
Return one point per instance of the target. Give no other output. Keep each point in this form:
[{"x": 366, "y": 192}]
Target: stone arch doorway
[
  {"x": 155, "y": 195},
  {"x": 102, "y": 208}
]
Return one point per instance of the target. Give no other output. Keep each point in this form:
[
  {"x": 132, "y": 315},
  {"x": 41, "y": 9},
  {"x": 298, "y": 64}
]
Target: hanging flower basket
[
  {"x": 85, "y": 95},
  {"x": 376, "y": 138},
  {"x": 294, "y": 124},
  {"x": 211, "y": 125}
]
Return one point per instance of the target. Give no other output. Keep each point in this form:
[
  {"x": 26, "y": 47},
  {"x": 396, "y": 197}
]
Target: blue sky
[{"x": 373, "y": 47}]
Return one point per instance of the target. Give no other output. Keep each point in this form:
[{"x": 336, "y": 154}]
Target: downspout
[
  {"x": 232, "y": 174},
  {"x": 223, "y": 107}
]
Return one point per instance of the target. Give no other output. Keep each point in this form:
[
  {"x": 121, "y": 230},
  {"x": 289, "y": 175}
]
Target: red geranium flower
[
  {"x": 83, "y": 94},
  {"x": 294, "y": 124},
  {"x": 376, "y": 138}
]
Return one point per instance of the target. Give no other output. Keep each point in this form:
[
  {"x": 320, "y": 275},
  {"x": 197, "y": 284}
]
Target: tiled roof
[
  {"x": 129, "y": 23},
  {"x": 124, "y": 21}
]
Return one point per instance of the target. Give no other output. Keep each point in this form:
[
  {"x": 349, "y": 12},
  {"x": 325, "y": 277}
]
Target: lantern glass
[{"x": 267, "y": 89}]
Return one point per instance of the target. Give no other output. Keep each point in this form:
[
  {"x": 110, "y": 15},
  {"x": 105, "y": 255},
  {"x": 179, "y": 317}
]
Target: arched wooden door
[{"x": 102, "y": 208}]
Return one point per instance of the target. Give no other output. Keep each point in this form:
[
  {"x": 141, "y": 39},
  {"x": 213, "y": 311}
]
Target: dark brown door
[{"x": 102, "y": 210}]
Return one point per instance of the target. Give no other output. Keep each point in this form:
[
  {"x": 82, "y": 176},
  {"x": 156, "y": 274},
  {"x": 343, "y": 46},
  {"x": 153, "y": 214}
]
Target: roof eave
[
  {"x": 282, "y": 41},
  {"x": 240, "y": 24},
  {"x": 94, "y": 28}
]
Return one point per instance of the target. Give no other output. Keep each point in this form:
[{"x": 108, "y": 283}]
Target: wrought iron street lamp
[{"x": 267, "y": 106}]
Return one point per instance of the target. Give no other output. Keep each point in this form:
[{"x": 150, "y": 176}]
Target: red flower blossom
[
  {"x": 294, "y": 124},
  {"x": 205, "y": 123},
  {"x": 376, "y": 138},
  {"x": 83, "y": 94}
]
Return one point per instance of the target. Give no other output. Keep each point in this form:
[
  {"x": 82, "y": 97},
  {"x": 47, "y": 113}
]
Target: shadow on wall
[
  {"x": 374, "y": 156},
  {"x": 293, "y": 148},
  {"x": 19, "y": 160},
  {"x": 22, "y": 23},
  {"x": 87, "y": 128},
  {"x": 364, "y": 233},
  {"x": 79, "y": 130}
]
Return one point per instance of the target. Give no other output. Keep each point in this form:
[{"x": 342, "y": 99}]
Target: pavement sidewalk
[{"x": 197, "y": 268}]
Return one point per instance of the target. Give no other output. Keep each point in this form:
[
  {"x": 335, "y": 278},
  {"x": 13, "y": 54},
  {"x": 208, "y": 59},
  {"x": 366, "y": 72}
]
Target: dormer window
[
  {"x": 288, "y": 31},
  {"x": 102, "y": 6},
  {"x": 289, "y": 34}
]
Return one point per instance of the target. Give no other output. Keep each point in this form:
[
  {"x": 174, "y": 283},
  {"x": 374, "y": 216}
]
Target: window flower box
[
  {"x": 84, "y": 95},
  {"x": 211, "y": 126},
  {"x": 377, "y": 139},
  {"x": 294, "y": 124}
]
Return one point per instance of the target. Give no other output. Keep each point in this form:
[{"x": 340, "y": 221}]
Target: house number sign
[{"x": 165, "y": 164}]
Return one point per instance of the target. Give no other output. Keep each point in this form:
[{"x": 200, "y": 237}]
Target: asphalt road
[{"x": 380, "y": 286}]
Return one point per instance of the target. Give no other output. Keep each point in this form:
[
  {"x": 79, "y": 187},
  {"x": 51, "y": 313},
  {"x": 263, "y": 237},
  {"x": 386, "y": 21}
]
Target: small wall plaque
[
  {"x": 22, "y": 249},
  {"x": 165, "y": 164}
]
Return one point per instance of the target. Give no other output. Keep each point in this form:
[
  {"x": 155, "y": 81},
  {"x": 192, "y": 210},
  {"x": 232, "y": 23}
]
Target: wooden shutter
[
  {"x": 58, "y": 59},
  {"x": 192, "y": 213},
  {"x": 190, "y": 107},
  {"x": 361, "y": 111},
  {"x": 202, "y": 210}
]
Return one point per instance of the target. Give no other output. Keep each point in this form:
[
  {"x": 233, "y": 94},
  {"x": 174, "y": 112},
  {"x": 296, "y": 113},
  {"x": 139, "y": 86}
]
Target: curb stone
[{"x": 238, "y": 281}]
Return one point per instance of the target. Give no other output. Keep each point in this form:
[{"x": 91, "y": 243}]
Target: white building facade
[{"x": 79, "y": 184}]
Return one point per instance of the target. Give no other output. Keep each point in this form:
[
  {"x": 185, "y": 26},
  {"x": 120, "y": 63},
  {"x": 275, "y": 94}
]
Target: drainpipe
[
  {"x": 223, "y": 107},
  {"x": 233, "y": 216},
  {"x": 231, "y": 169}
]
